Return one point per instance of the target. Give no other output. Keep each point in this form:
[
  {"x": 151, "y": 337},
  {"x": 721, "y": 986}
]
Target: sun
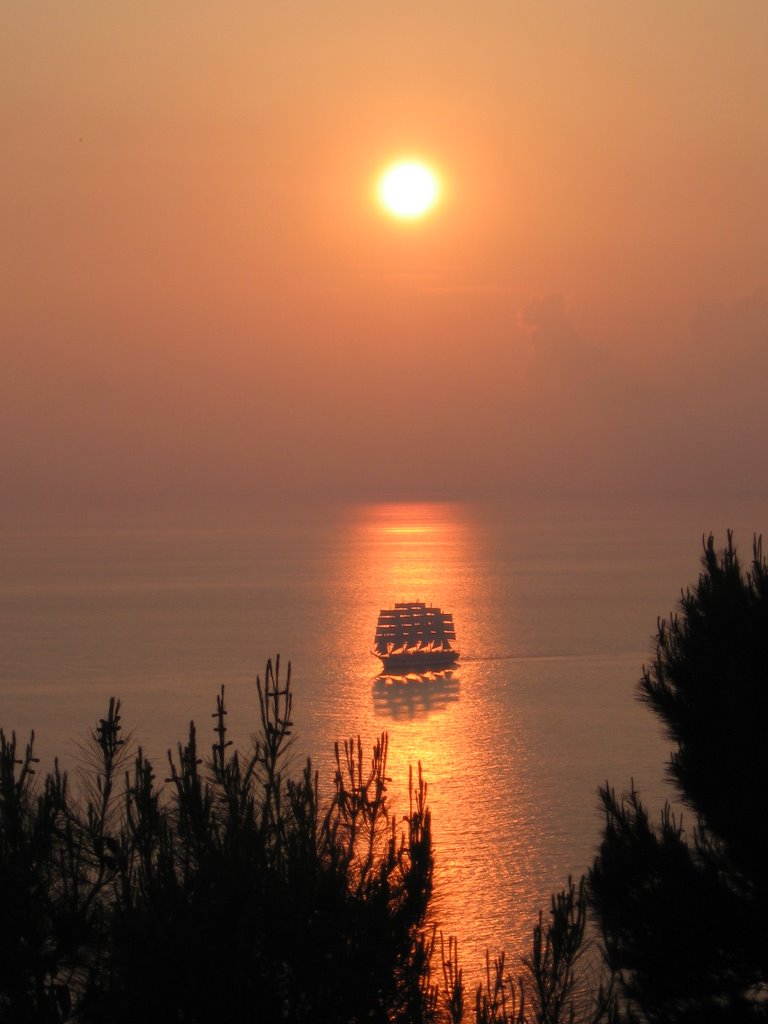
[{"x": 408, "y": 189}]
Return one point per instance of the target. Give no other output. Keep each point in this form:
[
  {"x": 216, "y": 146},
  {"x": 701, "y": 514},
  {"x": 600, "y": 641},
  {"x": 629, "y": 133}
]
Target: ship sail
[{"x": 413, "y": 634}]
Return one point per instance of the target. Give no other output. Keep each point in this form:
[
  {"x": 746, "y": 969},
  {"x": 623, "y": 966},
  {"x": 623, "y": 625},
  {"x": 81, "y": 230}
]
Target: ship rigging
[{"x": 415, "y": 636}]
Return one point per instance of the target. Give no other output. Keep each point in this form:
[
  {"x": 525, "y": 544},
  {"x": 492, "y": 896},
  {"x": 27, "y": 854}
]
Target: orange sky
[{"x": 202, "y": 301}]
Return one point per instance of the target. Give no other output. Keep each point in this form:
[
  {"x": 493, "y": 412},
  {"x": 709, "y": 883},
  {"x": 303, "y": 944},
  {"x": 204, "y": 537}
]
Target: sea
[{"x": 555, "y": 600}]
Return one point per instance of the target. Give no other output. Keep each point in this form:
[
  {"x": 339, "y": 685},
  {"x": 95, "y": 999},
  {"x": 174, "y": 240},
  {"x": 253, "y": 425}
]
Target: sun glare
[{"x": 408, "y": 189}]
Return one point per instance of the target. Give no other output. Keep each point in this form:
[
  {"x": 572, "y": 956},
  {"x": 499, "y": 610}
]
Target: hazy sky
[{"x": 201, "y": 299}]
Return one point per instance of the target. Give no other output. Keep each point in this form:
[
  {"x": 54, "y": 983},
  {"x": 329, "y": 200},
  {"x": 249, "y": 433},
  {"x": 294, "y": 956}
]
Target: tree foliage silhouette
[
  {"x": 683, "y": 912},
  {"x": 233, "y": 893},
  {"x": 233, "y": 897}
]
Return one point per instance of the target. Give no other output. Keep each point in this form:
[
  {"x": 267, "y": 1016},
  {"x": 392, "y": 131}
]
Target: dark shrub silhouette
[
  {"x": 235, "y": 898},
  {"x": 683, "y": 915},
  {"x": 230, "y": 893}
]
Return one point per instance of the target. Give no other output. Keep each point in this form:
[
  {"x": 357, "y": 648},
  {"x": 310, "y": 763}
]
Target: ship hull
[{"x": 424, "y": 661}]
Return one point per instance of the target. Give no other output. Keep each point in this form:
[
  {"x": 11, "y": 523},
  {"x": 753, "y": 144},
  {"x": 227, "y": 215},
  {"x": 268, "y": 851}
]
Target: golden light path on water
[{"x": 473, "y": 753}]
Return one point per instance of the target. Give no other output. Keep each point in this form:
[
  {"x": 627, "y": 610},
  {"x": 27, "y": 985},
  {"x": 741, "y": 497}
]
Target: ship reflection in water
[{"x": 414, "y": 694}]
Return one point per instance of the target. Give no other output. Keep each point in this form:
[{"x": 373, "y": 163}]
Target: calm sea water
[{"x": 555, "y": 605}]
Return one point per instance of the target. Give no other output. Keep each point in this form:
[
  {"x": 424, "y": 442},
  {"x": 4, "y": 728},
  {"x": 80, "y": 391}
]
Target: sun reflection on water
[{"x": 456, "y": 723}]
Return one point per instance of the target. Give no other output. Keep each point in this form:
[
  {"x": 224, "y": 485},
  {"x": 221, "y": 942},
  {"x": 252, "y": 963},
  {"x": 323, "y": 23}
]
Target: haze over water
[{"x": 555, "y": 604}]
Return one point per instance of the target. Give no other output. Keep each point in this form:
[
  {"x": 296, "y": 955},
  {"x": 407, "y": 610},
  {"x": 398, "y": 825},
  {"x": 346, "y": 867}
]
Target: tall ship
[{"x": 414, "y": 636}]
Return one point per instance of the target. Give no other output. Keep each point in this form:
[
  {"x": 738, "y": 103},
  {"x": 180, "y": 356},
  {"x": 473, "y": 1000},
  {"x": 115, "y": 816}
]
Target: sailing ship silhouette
[{"x": 415, "y": 636}]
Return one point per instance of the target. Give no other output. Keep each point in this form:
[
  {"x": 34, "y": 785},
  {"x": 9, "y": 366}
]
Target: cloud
[{"x": 732, "y": 335}]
